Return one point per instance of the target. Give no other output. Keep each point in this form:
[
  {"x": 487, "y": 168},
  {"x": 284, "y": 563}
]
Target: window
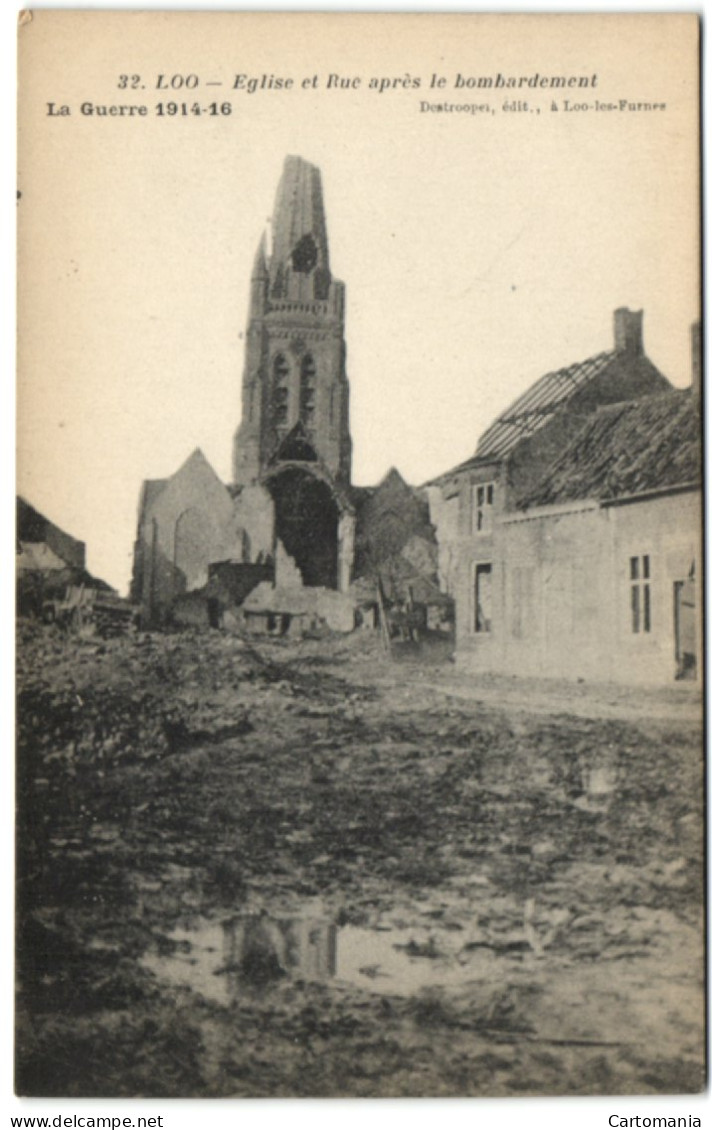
[
  {"x": 305, "y": 255},
  {"x": 307, "y": 391},
  {"x": 483, "y": 598},
  {"x": 280, "y": 390},
  {"x": 483, "y": 497},
  {"x": 640, "y": 594}
]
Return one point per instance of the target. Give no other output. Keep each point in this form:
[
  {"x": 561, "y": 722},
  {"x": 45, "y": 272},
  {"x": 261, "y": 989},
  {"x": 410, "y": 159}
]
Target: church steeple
[
  {"x": 259, "y": 280},
  {"x": 259, "y": 267},
  {"x": 295, "y": 354},
  {"x": 299, "y": 268}
]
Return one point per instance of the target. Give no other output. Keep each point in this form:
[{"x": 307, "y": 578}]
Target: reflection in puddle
[
  {"x": 225, "y": 960},
  {"x": 260, "y": 949},
  {"x": 406, "y": 961}
]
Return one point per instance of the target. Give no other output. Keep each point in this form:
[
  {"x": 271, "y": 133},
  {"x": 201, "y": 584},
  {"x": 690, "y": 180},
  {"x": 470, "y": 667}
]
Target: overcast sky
[{"x": 478, "y": 250}]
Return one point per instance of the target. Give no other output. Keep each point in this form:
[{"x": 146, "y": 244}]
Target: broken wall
[
  {"x": 34, "y": 528},
  {"x": 254, "y": 514},
  {"x": 184, "y": 527}
]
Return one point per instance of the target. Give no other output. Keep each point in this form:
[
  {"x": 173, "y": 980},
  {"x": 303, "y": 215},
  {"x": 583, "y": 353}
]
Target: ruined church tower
[
  {"x": 294, "y": 383},
  {"x": 293, "y": 440}
]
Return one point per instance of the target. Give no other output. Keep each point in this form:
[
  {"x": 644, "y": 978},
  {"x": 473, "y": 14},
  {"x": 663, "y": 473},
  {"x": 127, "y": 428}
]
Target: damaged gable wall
[
  {"x": 390, "y": 517},
  {"x": 183, "y": 527}
]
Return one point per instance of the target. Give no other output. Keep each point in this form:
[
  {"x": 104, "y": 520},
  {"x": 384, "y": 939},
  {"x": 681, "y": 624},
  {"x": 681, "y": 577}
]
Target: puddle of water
[
  {"x": 198, "y": 957},
  {"x": 224, "y": 960},
  {"x": 405, "y": 961}
]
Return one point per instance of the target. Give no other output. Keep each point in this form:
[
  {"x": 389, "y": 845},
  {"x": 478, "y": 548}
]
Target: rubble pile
[{"x": 166, "y": 779}]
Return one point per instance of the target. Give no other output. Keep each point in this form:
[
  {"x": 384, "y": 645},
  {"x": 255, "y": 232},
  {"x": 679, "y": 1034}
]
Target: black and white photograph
[{"x": 359, "y": 575}]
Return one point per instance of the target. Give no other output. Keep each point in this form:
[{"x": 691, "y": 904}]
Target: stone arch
[{"x": 306, "y": 522}]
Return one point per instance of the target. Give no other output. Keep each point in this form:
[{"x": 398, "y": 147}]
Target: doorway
[{"x": 685, "y": 621}]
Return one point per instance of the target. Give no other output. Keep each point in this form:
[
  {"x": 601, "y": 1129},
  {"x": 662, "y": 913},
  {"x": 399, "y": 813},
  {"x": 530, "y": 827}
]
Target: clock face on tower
[{"x": 305, "y": 255}]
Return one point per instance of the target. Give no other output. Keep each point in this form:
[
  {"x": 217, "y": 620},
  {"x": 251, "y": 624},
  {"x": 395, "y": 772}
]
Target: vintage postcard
[{"x": 359, "y": 556}]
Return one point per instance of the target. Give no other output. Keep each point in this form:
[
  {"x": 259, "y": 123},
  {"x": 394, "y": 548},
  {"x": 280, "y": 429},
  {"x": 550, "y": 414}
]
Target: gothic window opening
[
  {"x": 280, "y": 391},
  {"x": 305, "y": 255},
  {"x": 307, "y": 391},
  {"x": 640, "y": 607}
]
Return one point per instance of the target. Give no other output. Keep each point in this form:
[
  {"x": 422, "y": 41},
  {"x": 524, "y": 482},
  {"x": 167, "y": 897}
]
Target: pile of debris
[
  {"x": 54, "y": 585},
  {"x": 90, "y": 611}
]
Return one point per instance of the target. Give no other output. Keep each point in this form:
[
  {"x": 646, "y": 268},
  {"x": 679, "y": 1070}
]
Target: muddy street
[{"x": 301, "y": 869}]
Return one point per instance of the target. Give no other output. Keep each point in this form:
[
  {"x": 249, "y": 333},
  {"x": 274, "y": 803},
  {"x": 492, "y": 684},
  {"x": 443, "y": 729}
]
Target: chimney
[
  {"x": 696, "y": 342},
  {"x": 628, "y": 331}
]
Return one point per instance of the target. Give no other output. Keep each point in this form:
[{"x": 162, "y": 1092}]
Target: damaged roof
[
  {"x": 538, "y": 404},
  {"x": 33, "y": 528},
  {"x": 467, "y": 465},
  {"x": 628, "y": 449}
]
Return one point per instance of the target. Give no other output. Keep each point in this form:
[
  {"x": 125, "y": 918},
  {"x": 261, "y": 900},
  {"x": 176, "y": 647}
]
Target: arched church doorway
[{"x": 306, "y": 520}]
